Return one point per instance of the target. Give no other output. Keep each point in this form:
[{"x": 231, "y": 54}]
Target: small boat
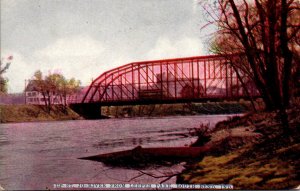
[{"x": 140, "y": 156}]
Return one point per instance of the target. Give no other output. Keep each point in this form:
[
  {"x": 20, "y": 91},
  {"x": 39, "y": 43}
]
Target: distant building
[{"x": 32, "y": 96}]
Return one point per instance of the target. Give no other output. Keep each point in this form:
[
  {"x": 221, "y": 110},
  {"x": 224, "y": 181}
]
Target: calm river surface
[{"x": 37, "y": 155}]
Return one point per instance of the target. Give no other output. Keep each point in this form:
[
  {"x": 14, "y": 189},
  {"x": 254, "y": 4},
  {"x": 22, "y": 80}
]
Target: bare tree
[{"x": 266, "y": 33}]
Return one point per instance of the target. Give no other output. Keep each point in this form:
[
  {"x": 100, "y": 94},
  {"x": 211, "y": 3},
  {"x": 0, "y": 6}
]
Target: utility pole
[{"x": 25, "y": 92}]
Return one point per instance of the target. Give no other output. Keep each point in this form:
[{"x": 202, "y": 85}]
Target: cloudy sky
[{"x": 83, "y": 38}]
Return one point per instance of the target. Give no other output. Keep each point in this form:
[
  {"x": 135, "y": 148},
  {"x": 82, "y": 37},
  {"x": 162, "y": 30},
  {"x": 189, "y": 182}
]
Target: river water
[{"x": 39, "y": 154}]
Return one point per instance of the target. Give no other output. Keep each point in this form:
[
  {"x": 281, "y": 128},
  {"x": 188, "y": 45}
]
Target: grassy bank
[
  {"x": 26, "y": 113},
  {"x": 250, "y": 152}
]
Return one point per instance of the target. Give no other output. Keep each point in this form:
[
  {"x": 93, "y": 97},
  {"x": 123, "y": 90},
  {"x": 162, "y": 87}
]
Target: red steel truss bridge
[
  {"x": 191, "y": 79},
  {"x": 200, "y": 78}
]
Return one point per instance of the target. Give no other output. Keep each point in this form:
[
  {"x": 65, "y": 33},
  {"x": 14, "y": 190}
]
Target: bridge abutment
[{"x": 88, "y": 110}]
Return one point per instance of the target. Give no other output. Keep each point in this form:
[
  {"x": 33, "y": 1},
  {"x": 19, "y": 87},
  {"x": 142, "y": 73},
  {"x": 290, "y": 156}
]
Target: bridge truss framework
[{"x": 192, "y": 78}]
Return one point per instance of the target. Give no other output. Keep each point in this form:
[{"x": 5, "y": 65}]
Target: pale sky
[{"x": 84, "y": 38}]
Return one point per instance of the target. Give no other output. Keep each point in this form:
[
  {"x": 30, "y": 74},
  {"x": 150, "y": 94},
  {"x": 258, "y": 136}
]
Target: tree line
[{"x": 55, "y": 86}]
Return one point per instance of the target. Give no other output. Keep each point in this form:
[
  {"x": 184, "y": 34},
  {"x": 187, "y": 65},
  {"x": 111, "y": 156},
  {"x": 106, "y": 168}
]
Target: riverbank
[
  {"x": 28, "y": 113},
  {"x": 250, "y": 152},
  {"x": 158, "y": 110}
]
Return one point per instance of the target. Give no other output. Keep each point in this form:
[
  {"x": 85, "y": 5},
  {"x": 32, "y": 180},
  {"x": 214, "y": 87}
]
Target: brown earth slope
[
  {"x": 26, "y": 113},
  {"x": 251, "y": 152}
]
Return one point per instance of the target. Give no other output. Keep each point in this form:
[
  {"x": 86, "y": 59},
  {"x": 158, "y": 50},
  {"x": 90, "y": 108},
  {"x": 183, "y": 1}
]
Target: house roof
[{"x": 31, "y": 86}]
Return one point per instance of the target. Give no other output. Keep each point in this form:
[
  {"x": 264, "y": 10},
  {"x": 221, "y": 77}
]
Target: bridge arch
[{"x": 201, "y": 77}]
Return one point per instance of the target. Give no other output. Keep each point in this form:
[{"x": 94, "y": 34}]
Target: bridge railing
[{"x": 181, "y": 78}]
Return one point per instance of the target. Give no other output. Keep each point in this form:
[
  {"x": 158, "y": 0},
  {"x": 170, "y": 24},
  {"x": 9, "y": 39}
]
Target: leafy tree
[
  {"x": 55, "y": 86},
  {"x": 4, "y": 81},
  {"x": 3, "y": 85},
  {"x": 266, "y": 33},
  {"x": 67, "y": 88},
  {"x": 42, "y": 87}
]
